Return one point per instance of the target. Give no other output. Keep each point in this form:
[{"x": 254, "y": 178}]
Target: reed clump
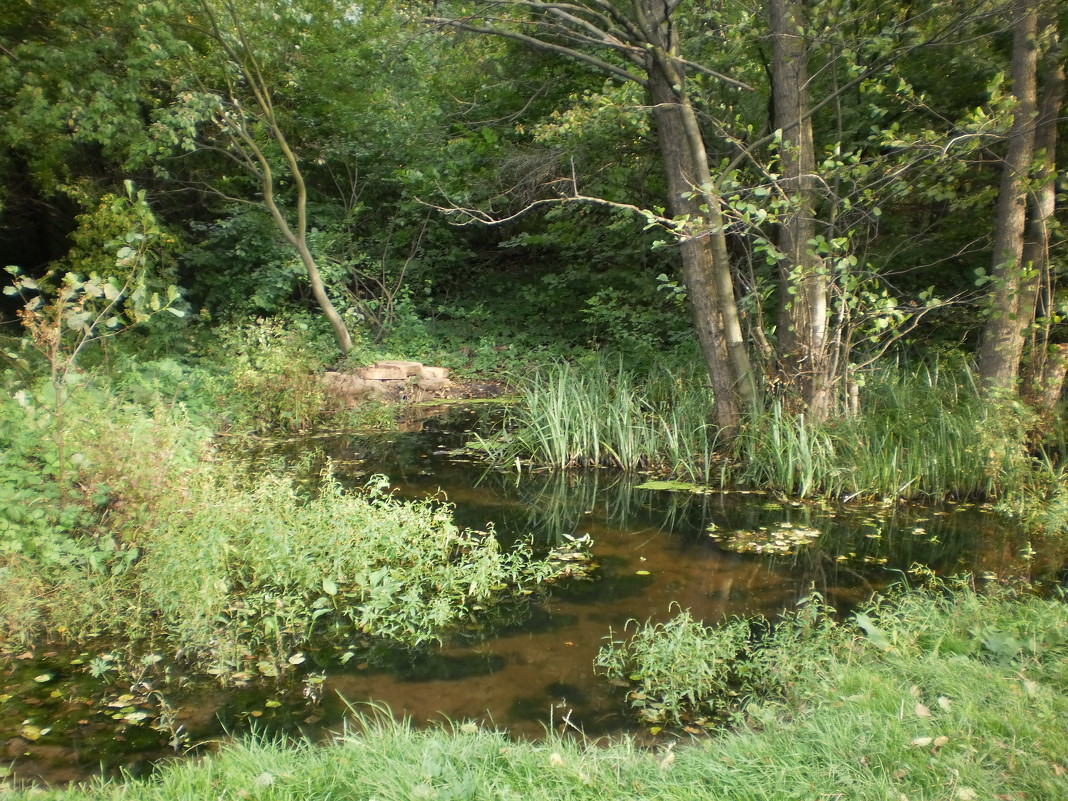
[
  {"x": 598, "y": 413},
  {"x": 925, "y": 432}
]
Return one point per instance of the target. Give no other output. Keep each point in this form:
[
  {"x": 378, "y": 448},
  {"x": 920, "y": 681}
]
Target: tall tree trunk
[
  {"x": 1003, "y": 333},
  {"x": 1043, "y": 204},
  {"x": 706, "y": 261},
  {"x": 802, "y": 351},
  {"x": 698, "y": 258}
]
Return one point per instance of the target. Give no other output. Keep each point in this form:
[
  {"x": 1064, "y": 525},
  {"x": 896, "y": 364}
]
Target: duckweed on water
[{"x": 780, "y": 539}]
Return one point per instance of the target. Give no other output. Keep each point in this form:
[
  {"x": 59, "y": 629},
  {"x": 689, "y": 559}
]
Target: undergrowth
[{"x": 163, "y": 544}]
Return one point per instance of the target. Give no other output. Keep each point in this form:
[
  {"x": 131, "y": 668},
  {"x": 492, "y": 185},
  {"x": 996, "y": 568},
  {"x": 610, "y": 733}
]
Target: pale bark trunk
[
  {"x": 803, "y": 361},
  {"x": 706, "y": 261},
  {"x": 1003, "y": 335},
  {"x": 1048, "y": 387},
  {"x": 698, "y": 259},
  {"x": 1037, "y": 237}
]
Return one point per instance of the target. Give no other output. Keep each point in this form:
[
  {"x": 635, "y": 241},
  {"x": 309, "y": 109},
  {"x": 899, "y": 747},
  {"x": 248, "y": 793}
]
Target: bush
[{"x": 272, "y": 365}]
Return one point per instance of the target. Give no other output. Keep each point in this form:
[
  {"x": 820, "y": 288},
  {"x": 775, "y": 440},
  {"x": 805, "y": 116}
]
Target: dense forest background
[{"x": 796, "y": 189}]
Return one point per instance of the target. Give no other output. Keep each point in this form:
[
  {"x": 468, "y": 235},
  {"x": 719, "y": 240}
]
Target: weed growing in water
[
  {"x": 927, "y": 433},
  {"x": 184, "y": 555},
  {"x": 680, "y": 670},
  {"x": 597, "y": 412},
  {"x": 962, "y": 697}
]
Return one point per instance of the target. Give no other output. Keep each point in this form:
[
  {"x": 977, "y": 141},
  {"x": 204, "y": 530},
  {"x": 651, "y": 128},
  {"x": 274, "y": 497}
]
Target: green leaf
[{"x": 875, "y": 634}]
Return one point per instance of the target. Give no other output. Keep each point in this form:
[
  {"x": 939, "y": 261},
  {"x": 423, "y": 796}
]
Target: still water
[{"x": 656, "y": 551}]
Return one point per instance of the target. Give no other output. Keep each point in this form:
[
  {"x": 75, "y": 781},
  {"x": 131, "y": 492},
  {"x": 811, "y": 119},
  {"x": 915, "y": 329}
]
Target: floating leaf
[
  {"x": 44, "y": 677},
  {"x": 676, "y": 486},
  {"x": 28, "y": 731}
]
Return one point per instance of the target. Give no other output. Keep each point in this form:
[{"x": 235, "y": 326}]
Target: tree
[
  {"x": 78, "y": 84},
  {"x": 244, "y": 111},
  {"x": 803, "y": 349},
  {"x": 1048, "y": 364},
  {"x": 759, "y": 179},
  {"x": 1025, "y": 211},
  {"x": 1011, "y": 278},
  {"x": 643, "y": 46}
]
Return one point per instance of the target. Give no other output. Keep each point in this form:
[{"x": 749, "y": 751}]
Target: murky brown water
[{"x": 654, "y": 553}]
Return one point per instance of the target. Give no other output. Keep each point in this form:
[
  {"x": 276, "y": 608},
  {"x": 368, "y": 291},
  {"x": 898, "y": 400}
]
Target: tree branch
[{"x": 538, "y": 44}]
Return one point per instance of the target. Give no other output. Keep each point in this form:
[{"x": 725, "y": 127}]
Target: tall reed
[
  {"x": 599, "y": 413},
  {"x": 922, "y": 432}
]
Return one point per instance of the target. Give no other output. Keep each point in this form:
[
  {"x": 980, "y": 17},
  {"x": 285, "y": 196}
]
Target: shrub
[
  {"x": 173, "y": 548},
  {"x": 272, "y": 366}
]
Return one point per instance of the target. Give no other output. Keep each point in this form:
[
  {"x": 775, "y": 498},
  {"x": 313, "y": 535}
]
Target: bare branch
[{"x": 538, "y": 44}]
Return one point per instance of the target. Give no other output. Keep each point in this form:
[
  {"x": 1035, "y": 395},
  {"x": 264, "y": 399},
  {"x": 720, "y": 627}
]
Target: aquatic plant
[
  {"x": 182, "y": 553},
  {"x": 679, "y": 671},
  {"x": 919, "y": 433},
  {"x": 599, "y": 413}
]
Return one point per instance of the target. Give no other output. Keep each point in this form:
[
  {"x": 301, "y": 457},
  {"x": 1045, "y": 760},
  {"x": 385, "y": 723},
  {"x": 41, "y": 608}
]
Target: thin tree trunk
[
  {"x": 250, "y": 152},
  {"x": 1003, "y": 335}
]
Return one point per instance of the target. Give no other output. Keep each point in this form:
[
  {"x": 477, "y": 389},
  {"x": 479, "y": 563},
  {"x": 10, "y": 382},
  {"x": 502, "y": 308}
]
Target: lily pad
[{"x": 780, "y": 539}]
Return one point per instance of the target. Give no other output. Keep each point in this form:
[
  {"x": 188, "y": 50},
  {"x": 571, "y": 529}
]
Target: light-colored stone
[
  {"x": 408, "y": 368},
  {"x": 440, "y": 373},
  {"x": 382, "y": 373},
  {"x": 432, "y": 383}
]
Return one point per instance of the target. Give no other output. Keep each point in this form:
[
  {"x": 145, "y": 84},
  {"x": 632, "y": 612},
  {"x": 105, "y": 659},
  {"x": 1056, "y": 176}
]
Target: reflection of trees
[{"x": 858, "y": 546}]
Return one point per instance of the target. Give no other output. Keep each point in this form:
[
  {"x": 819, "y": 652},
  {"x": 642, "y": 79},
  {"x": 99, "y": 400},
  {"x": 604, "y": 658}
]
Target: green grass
[
  {"x": 599, "y": 413},
  {"x": 924, "y": 433},
  {"x": 921, "y": 433},
  {"x": 946, "y": 695}
]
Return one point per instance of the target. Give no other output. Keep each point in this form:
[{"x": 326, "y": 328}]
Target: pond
[{"x": 656, "y": 551}]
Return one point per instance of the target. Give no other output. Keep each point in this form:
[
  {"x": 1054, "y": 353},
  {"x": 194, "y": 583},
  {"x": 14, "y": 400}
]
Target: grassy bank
[{"x": 937, "y": 695}]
